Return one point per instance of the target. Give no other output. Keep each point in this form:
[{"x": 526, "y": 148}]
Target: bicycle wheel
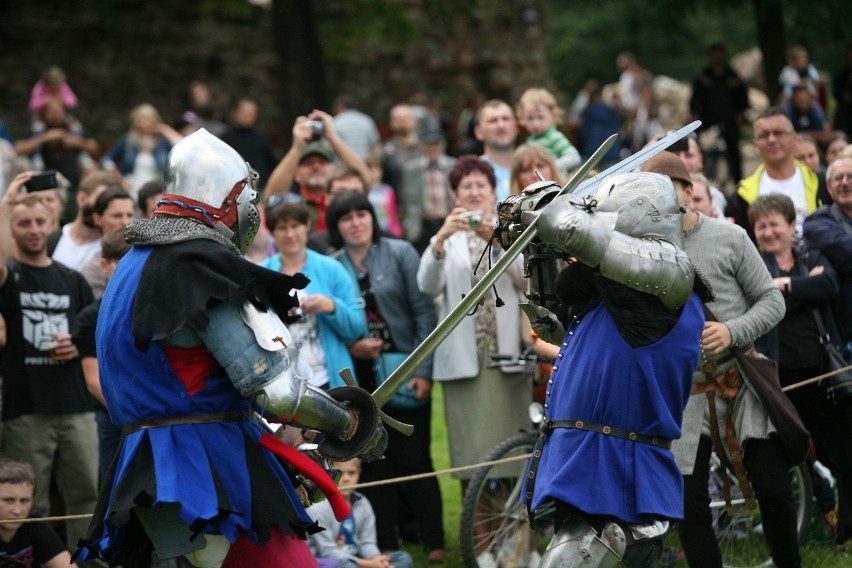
[
  {"x": 493, "y": 519},
  {"x": 740, "y": 536}
]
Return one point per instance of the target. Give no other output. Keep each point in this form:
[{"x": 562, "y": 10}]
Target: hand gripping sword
[{"x": 577, "y": 185}]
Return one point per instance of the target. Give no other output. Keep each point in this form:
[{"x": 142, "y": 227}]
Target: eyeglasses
[
  {"x": 776, "y": 133},
  {"x": 840, "y": 177}
]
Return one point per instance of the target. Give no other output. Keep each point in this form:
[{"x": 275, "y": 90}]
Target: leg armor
[{"x": 578, "y": 545}]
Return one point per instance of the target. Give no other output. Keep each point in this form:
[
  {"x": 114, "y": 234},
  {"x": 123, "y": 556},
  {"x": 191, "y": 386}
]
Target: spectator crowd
[{"x": 391, "y": 233}]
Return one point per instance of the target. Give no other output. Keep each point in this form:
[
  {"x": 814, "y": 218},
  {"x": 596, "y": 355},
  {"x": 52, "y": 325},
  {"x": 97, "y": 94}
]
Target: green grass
[
  {"x": 450, "y": 488},
  {"x": 816, "y": 554}
]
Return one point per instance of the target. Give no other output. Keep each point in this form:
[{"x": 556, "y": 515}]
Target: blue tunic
[
  {"x": 599, "y": 377},
  {"x": 218, "y": 475}
]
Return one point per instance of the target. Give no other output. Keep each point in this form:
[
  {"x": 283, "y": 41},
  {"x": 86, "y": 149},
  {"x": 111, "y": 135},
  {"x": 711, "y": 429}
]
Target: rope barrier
[
  {"x": 357, "y": 486},
  {"x": 816, "y": 379},
  {"x": 47, "y": 519},
  {"x": 435, "y": 473},
  {"x": 417, "y": 476}
]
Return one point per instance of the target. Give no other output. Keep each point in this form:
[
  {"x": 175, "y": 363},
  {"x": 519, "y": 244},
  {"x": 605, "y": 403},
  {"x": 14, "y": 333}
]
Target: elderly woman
[
  {"x": 809, "y": 283},
  {"x": 483, "y": 404},
  {"x": 526, "y": 159},
  {"x": 399, "y": 317}
]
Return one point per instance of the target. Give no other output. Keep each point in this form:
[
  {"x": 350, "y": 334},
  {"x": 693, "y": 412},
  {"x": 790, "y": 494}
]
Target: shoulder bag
[
  {"x": 762, "y": 374},
  {"x": 405, "y": 397},
  {"x": 839, "y": 389}
]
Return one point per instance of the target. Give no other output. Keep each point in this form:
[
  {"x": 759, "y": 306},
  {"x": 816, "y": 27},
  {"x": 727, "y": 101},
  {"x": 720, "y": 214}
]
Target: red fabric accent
[
  {"x": 191, "y": 364},
  {"x": 321, "y": 204},
  {"x": 310, "y": 469},
  {"x": 226, "y": 213},
  {"x": 280, "y": 550},
  {"x": 178, "y": 211}
]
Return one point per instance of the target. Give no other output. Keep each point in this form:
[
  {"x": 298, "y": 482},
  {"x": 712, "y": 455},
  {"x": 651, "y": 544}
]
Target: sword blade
[
  {"x": 575, "y": 185},
  {"x": 633, "y": 161}
]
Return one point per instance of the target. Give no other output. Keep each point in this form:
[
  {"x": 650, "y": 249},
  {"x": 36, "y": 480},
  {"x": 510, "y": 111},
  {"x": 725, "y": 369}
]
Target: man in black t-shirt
[
  {"x": 48, "y": 414},
  {"x": 25, "y": 545}
]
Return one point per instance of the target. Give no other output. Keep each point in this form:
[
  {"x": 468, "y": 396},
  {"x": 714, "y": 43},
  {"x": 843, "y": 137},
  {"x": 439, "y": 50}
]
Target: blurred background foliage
[{"x": 670, "y": 37}]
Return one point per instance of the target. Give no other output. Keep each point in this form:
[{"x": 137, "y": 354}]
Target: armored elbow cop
[
  {"x": 257, "y": 352},
  {"x": 631, "y": 229}
]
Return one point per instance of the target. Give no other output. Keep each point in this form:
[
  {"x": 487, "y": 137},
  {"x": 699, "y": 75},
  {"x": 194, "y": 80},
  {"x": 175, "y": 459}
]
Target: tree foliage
[{"x": 670, "y": 37}]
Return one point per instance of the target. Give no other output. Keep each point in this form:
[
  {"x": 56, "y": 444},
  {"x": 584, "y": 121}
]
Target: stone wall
[{"x": 118, "y": 53}]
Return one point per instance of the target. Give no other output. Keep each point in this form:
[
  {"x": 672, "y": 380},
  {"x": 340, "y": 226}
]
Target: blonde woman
[
  {"x": 526, "y": 159},
  {"x": 140, "y": 154}
]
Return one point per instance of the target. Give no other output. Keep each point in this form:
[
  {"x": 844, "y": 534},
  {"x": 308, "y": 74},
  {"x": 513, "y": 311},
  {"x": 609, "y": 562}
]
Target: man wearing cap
[
  {"x": 691, "y": 156},
  {"x": 425, "y": 193},
  {"x": 309, "y": 163},
  {"x": 747, "y": 304}
]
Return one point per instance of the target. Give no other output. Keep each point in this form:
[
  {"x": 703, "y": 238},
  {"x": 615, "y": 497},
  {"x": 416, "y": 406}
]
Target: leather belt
[
  {"x": 549, "y": 425},
  {"x": 208, "y": 418}
]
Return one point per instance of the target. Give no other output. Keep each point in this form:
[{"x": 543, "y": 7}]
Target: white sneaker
[{"x": 486, "y": 560}]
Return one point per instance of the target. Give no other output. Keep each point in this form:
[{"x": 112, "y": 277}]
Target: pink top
[{"x": 42, "y": 92}]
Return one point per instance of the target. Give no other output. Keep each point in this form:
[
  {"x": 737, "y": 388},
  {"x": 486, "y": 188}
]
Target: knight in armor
[
  {"x": 623, "y": 374},
  {"x": 193, "y": 347}
]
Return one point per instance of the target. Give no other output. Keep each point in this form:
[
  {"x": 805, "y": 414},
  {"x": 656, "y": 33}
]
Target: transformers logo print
[{"x": 43, "y": 315}]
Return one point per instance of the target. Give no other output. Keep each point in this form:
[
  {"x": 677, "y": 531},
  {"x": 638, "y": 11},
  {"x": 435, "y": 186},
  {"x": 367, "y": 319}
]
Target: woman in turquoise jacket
[{"x": 332, "y": 316}]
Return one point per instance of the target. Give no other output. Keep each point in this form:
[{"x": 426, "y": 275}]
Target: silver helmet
[
  {"x": 646, "y": 204},
  {"x": 207, "y": 180}
]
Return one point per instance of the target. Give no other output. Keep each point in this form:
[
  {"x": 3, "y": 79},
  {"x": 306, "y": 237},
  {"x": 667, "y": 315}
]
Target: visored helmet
[
  {"x": 207, "y": 180},
  {"x": 646, "y": 204}
]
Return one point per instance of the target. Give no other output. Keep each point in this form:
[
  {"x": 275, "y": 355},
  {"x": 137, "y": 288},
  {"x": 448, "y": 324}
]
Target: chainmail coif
[{"x": 170, "y": 230}]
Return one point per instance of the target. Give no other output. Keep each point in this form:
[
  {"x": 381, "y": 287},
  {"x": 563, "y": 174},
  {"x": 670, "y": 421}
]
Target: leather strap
[
  {"x": 536, "y": 458},
  {"x": 733, "y": 449},
  {"x": 161, "y": 421},
  {"x": 717, "y": 445},
  {"x": 549, "y": 425},
  {"x": 737, "y": 460}
]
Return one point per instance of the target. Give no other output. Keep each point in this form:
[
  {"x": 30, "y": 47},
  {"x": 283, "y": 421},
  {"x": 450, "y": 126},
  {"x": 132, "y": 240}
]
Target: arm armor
[
  {"x": 651, "y": 265},
  {"x": 257, "y": 352}
]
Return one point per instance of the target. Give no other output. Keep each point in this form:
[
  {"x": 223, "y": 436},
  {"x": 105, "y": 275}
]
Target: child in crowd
[
  {"x": 383, "y": 198},
  {"x": 25, "y": 544},
  {"x": 352, "y": 542},
  {"x": 538, "y": 112},
  {"x": 52, "y": 85}
]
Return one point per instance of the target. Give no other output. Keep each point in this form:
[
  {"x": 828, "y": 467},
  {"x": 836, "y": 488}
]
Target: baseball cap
[
  {"x": 317, "y": 149},
  {"x": 668, "y": 164}
]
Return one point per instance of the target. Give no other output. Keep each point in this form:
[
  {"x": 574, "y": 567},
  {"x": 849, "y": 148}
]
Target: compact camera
[
  {"x": 474, "y": 218},
  {"x": 317, "y": 128}
]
